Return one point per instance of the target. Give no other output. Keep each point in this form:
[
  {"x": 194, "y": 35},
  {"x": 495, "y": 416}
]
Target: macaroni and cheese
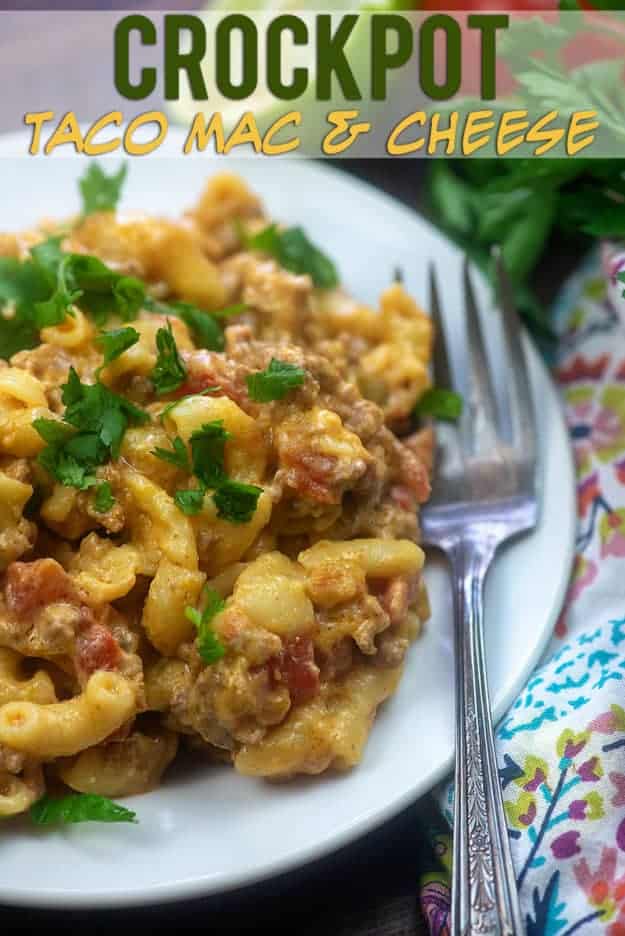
[{"x": 209, "y": 494}]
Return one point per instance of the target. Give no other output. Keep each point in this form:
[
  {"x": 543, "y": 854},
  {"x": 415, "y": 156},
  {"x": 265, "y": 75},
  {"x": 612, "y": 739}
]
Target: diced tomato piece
[
  {"x": 296, "y": 668},
  {"x": 31, "y": 585},
  {"x": 403, "y": 497},
  {"x": 96, "y": 649},
  {"x": 311, "y": 475},
  {"x": 204, "y": 372}
]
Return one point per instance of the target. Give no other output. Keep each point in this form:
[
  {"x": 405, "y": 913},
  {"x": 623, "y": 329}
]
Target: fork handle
[{"x": 484, "y": 893}]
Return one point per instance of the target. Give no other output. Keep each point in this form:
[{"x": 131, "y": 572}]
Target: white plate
[{"x": 210, "y": 829}]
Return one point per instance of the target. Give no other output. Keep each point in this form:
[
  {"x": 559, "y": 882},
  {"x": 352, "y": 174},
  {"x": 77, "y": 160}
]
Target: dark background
[{"x": 371, "y": 886}]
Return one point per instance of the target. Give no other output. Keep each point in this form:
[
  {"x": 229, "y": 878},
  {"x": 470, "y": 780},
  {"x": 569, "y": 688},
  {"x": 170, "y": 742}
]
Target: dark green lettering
[
  {"x": 331, "y": 58},
  {"x": 453, "y": 57},
  {"x": 299, "y": 33},
  {"x": 381, "y": 59},
  {"x": 147, "y": 81},
  {"x": 249, "y": 56},
  {"x": 488, "y": 24},
  {"x": 190, "y": 62}
]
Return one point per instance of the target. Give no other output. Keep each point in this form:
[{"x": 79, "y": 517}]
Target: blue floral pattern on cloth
[{"x": 561, "y": 747}]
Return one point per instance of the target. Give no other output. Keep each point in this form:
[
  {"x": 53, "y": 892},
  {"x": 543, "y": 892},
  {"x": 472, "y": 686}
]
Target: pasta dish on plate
[{"x": 210, "y": 475}]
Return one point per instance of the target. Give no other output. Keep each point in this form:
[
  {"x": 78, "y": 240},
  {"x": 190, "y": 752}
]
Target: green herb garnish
[
  {"x": 177, "y": 455},
  {"x": 91, "y": 433},
  {"x": 210, "y": 647},
  {"x": 207, "y": 452},
  {"x": 295, "y": 252},
  {"x": 78, "y": 807},
  {"x": 190, "y": 500},
  {"x": 169, "y": 371},
  {"x": 275, "y": 382},
  {"x": 438, "y": 403},
  {"x": 104, "y": 499},
  {"x": 235, "y": 501},
  {"x": 116, "y": 341},
  {"x": 101, "y": 192},
  {"x": 204, "y": 328}
]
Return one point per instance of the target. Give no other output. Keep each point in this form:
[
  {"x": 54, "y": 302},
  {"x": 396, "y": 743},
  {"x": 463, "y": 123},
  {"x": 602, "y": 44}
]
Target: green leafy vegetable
[
  {"x": 101, "y": 192},
  {"x": 177, "y": 455},
  {"x": 22, "y": 285},
  {"x": 520, "y": 203},
  {"x": 78, "y": 807},
  {"x": 169, "y": 372},
  {"x": 207, "y": 452},
  {"x": 205, "y": 329},
  {"x": 210, "y": 647},
  {"x": 53, "y": 310},
  {"x": 230, "y": 311},
  {"x": 439, "y": 403},
  {"x": 235, "y": 501},
  {"x": 95, "y": 421},
  {"x": 104, "y": 499},
  {"x": 275, "y": 382},
  {"x": 116, "y": 341},
  {"x": 295, "y": 252},
  {"x": 103, "y": 292},
  {"x": 40, "y": 291},
  {"x": 190, "y": 500},
  {"x": 53, "y": 431}
]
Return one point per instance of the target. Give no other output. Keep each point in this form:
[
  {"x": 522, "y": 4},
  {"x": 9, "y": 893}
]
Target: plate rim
[{"x": 197, "y": 886}]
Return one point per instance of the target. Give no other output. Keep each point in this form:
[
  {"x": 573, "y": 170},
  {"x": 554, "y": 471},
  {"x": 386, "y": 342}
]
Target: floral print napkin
[{"x": 561, "y": 746}]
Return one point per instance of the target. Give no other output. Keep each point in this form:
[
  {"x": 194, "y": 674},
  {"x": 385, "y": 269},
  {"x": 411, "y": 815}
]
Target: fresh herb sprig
[
  {"x": 210, "y": 647},
  {"x": 275, "y": 382},
  {"x": 295, "y": 252},
  {"x": 78, "y": 807},
  {"x": 169, "y": 372},
  {"x": 520, "y": 203},
  {"x": 90, "y": 434},
  {"x": 439, "y": 403},
  {"x": 100, "y": 191}
]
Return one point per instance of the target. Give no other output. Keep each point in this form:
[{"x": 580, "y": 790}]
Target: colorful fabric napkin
[{"x": 561, "y": 747}]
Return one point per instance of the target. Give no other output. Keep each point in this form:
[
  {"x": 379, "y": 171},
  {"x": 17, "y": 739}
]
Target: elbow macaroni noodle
[{"x": 130, "y": 626}]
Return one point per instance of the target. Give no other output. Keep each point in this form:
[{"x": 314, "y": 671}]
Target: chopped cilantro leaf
[
  {"x": 295, "y": 252},
  {"x": 40, "y": 291},
  {"x": 230, "y": 311},
  {"x": 275, "y": 382},
  {"x": 16, "y": 334},
  {"x": 169, "y": 371},
  {"x": 53, "y": 310},
  {"x": 235, "y": 501},
  {"x": 104, "y": 292},
  {"x": 53, "y": 431},
  {"x": 190, "y": 500},
  {"x": 79, "y": 807},
  {"x": 439, "y": 403},
  {"x": 22, "y": 284},
  {"x": 177, "y": 455},
  {"x": 66, "y": 469},
  {"x": 48, "y": 255},
  {"x": 96, "y": 420},
  {"x": 205, "y": 329},
  {"x": 104, "y": 499},
  {"x": 116, "y": 341},
  {"x": 101, "y": 192},
  {"x": 96, "y": 409},
  {"x": 207, "y": 452},
  {"x": 210, "y": 647}
]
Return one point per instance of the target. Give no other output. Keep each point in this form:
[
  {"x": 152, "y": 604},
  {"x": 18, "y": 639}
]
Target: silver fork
[{"x": 484, "y": 493}]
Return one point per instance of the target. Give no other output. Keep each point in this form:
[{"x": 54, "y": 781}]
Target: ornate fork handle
[{"x": 484, "y": 892}]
